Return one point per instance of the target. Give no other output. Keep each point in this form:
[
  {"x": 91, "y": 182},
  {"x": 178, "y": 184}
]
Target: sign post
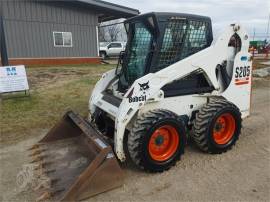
[{"x": 13, "y": 79}]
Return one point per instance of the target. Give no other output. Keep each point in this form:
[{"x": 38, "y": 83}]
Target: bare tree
[
  {"x": 102, "y": 34},
  {"x": 112, "y": 31}
]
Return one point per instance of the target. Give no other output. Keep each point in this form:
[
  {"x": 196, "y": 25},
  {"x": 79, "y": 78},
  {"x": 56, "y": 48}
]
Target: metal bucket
[{"x": 75, "y": 161}]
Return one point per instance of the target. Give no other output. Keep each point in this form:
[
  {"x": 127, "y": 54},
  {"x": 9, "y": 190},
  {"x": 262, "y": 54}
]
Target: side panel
[
  {"x": 239, "y": 90},
  {"x": 96, "y": 96},
  {"x": 181, "y": 105}
]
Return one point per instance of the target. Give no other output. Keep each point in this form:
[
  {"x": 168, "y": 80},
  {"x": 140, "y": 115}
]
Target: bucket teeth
[
  {"x": 54, "y": 180},
  {"x": 57, "y": 191},
  {"x": 39, "y": 171},
  {"x": 36, "y": 152},
  {"x": 45, "y": 196},
  {"x": 39, "y": 187},
  {"x": 41, "y": 165},
  {"x": 49, "y": 171},
  {"x": 35, "y": 146},
  {"x": 38, "y": 167},
  {"x": 49, "y": 194},
  {"x": 38, "y": 158},
  {"x": 35, "y": 160},
  {"x": 45, "y": 164}
]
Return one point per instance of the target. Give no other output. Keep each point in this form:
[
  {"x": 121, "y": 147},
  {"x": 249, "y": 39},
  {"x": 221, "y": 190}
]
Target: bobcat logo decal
[{"x": 144, "y": 86}]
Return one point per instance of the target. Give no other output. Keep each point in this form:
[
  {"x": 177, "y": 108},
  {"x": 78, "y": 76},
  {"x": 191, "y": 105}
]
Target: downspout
[
  {"x": 97, "y": 38},
  {"x": 3, "y": 47}
]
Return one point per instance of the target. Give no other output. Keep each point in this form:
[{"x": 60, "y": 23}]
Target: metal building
[{"x": 54, "y": 32}]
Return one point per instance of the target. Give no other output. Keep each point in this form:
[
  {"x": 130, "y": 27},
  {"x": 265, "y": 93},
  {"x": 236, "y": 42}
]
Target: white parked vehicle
[{"x": 111, "y": 49}]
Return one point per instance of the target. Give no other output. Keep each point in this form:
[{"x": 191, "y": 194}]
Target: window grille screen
[
  {"x": 138, "y": 52},
  {"x": 196, "y": 39},
  {"x": 172, "y": 42},
  {"x": 181, "y": 39}
]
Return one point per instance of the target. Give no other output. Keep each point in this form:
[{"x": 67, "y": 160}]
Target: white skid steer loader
[{"x": 170, "y": 82}]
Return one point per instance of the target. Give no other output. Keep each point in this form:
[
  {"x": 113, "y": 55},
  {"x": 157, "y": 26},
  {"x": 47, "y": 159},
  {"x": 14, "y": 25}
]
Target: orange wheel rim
[
  {"x": 224, "y": 128},
  {"x": 163, "y": 143}
]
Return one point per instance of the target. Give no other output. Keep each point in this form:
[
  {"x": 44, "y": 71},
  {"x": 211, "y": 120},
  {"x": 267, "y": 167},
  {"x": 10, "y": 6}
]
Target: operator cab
[{"x": 157, "y": 40}]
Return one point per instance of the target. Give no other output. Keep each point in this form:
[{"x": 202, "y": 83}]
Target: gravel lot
[{"x": 242, "y": 174}]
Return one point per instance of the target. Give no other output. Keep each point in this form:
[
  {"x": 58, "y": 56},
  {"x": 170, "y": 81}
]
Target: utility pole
[
  {"x": 267, "y": 37},
  {"x": 267, "y": 32},
  {"x": 254, "y": 30}
]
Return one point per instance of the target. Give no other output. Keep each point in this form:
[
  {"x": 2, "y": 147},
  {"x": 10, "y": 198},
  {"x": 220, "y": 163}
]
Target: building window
[{"x": 62, "y": 39}]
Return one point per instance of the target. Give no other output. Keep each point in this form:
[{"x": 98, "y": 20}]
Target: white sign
[{"x": 13, "y": 78}]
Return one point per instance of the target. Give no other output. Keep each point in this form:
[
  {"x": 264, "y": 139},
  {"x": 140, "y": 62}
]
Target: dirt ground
[
  {"x": 260, "y": 62},
  {"x": 242, "y": 174}
]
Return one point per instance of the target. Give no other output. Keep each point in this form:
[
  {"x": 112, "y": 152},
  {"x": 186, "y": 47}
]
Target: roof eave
[{"x": 113, "y": 11}]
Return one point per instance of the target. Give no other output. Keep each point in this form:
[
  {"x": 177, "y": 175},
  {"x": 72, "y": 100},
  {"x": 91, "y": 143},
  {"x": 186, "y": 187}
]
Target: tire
[
  {"x": 217, "y": 126},
  {"x": 103, "y": 55},
  {"x": 104, "y": 124},
  {"x": 157, "y": 140}
]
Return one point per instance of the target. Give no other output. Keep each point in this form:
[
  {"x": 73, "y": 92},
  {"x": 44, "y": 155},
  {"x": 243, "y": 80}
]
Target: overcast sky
[{"x": 253, "y": 14}]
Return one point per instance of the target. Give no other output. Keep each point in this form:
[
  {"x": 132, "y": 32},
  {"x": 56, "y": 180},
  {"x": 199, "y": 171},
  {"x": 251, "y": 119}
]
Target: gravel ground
[
  {"x": 242, "y": 174},
  {"x": 266, "y": 63}
]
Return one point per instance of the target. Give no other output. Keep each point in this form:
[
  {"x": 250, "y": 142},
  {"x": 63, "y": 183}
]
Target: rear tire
[
  {"x": 157, "y": 140},
  {"x": 103, "y": 55},
  {"x": 217, "y": 126}
]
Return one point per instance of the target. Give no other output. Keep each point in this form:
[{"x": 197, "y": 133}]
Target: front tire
[
  {"x": 157, "y": 140},
  {"x": 217, "y": 126},
  {"x": 103, "y": 55}
]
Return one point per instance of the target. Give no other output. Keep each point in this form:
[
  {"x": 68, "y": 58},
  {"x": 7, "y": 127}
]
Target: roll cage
[{"x": 157, "y": 40}]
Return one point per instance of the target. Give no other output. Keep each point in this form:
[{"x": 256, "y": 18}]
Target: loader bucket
[{"x": 74, "y": 161}]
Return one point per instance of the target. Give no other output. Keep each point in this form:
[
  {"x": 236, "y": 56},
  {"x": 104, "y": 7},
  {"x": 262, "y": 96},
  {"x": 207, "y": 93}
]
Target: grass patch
[{"x": 54, "y": 91}]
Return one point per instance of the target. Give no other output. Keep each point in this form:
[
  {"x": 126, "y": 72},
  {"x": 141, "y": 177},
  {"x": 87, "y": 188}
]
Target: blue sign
[
  {"x": 244, "y": 58},
  {"x": 13, "y": 78},
  {"x": 11, "y": 71}
]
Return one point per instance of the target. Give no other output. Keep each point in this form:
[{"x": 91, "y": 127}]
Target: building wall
[{"x": 29, "y": 28}]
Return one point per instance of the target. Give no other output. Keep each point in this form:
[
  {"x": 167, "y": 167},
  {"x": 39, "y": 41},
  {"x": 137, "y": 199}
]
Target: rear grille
[{"x": 115, "y": 101}]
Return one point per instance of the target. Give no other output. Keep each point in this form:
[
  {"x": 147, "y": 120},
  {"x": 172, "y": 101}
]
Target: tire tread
[
  {"x": 202, "y": 123},
  {"x": 142, "y": 124}
]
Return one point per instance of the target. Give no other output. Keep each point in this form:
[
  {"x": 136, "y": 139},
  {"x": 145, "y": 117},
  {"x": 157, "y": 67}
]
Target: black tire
[
  {"x": 206, "y": 121},
  {"x": 104, "y": 124},
  {"x": 103, "y": 55},
  {"x": 140, "y": 135}
]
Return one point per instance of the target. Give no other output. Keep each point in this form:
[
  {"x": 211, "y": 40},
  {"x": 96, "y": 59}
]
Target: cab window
[
  {"x": 181, "y": 39},
  {"x": 115, "y": 45}
]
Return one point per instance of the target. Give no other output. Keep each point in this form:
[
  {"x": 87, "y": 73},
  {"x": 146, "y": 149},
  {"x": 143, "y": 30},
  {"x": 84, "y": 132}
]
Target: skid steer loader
[{"x": 170, "y": 84}]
